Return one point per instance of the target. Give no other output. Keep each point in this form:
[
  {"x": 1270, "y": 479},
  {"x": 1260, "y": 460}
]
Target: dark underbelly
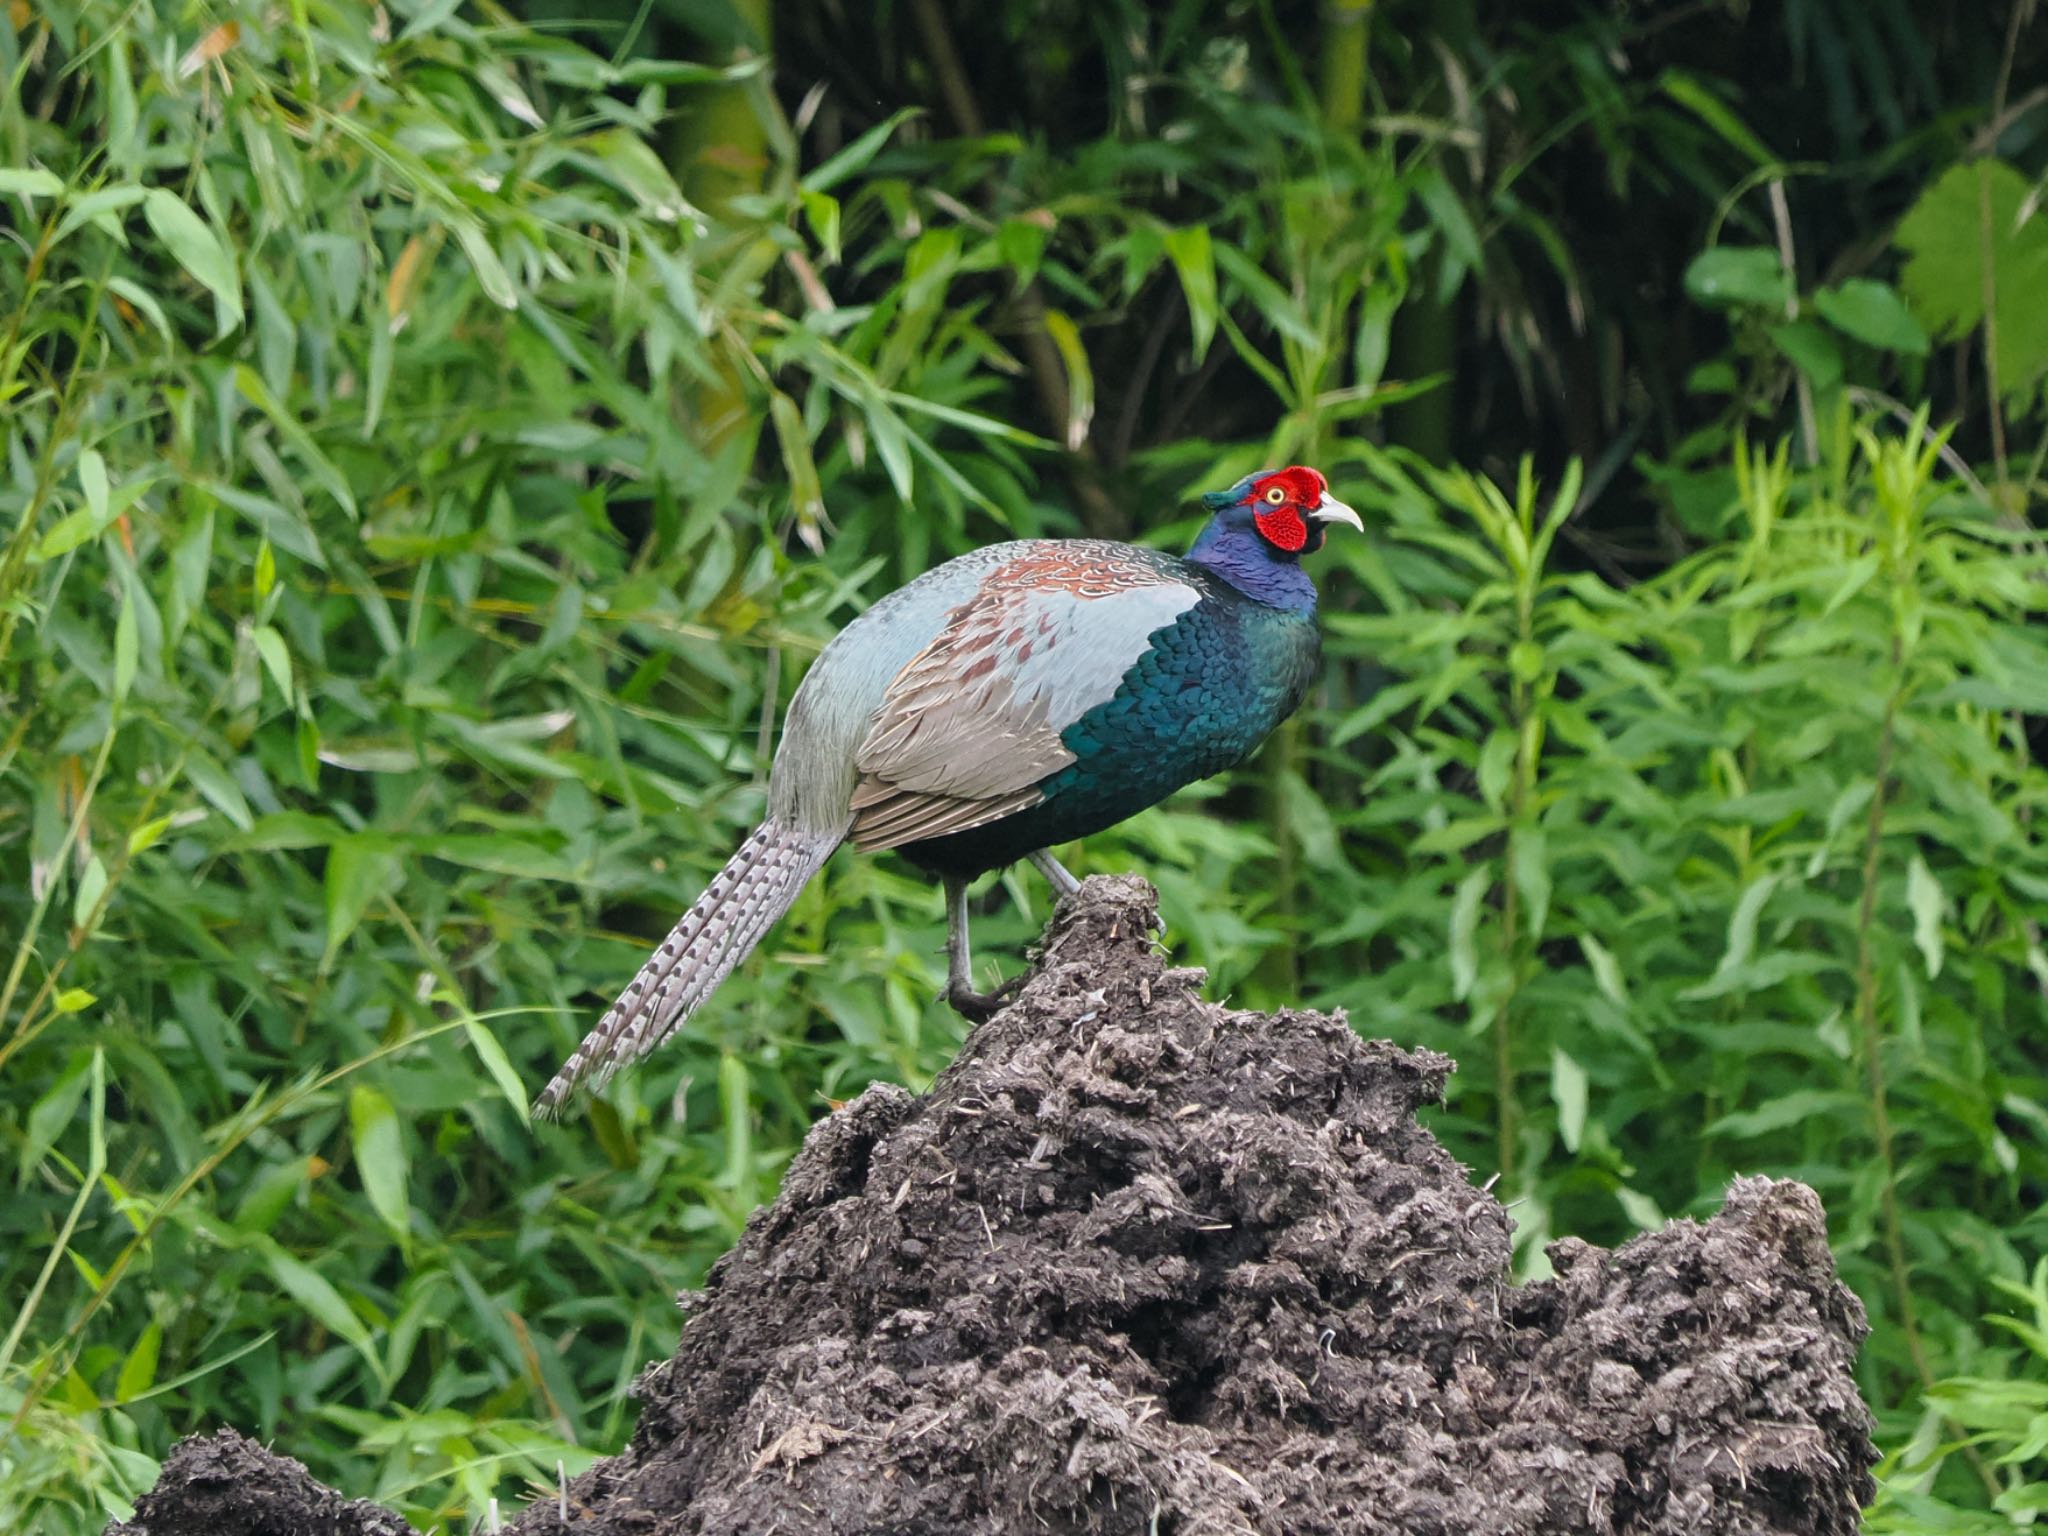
[{"x": 1060, "y": 820}]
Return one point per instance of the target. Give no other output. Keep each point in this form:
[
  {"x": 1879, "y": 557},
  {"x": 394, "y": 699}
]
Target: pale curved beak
[{"x": 1331, "y": 510}]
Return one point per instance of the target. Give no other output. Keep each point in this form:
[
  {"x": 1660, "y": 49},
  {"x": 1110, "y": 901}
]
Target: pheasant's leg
[
  {"x": 967, "y": 1002},
  {"x": 1063, "y": 882}
]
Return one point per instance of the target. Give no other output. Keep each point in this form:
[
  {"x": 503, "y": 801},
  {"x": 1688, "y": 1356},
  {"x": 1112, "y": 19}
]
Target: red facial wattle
[{"x": 1283, "y": 528}]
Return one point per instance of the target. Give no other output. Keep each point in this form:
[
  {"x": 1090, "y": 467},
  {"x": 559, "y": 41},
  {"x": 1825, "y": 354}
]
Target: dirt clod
[
  {"x": 225, "y": 1484},
  {"x": 1138, "y": 1263}
]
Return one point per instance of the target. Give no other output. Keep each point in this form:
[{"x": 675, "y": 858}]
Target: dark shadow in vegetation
[{"x": 1139, "y": 1263}]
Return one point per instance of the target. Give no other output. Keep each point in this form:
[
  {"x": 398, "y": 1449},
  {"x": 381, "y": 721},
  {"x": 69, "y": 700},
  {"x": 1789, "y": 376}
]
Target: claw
[{"x": 980, "y": 1007}]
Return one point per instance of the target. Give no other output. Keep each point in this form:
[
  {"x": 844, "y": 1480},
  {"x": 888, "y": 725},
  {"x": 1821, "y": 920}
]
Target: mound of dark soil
[
  {"x": 1141, "y": 1264},
  {"x": 225, "y": 1484}
]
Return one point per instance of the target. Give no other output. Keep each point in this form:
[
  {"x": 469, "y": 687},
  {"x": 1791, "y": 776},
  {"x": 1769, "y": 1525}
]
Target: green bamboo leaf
[
  {"x": 1761, "y": 973},
  {"x": 736, "y": 1108},
  {"x": 186, "y": 1378},
  {"x": 381, "y": 1161},
  {"x": 822, "y": 213},
  {"x": 252, "y": 388},
  {"x": 1066, "y": 340},
  {"x": 127, "y": 648},
  {"x": 1532, "y": 877},
  {"x": 359, "y": 869},
  {"x": 498, "y": 83},
  {"x": 483, "y": 259},
  {"x": 625, "y": 160},
  {"x": 1195, "y": 262},
  {"x": 92, "y": 480},
  {"x": 199, "y": 250},
  {"x": 685, "y": 72},
  {"x": 99, "y": 208},
  {"x": 892, "y": 446},
  {"x": 218, "y": 788},
  {"x": 66, "y": 534},
  {"x": 1689, "y": 92},
  {"x": 272, "y": 1189},
  {"x": 145, "y": 836},
  {"x": 858, "y": 153},
  {"x": 277, "y": 660},
  {"x": 497, "y": 1063},
  {"x": 322, "y": 1302},
  {"x": 144, "y": 302},
  {"x": 806, "y": 495},
  {"x": 138, "y": 1371},
  {"x": 27, "y": 181},
  {"x": 308, "y": 741},
  {"x": 92, "y": 885},
  {"x": 1021, "y": 245},
  {"x": 1462, "y": 250},
  {"x": 53, "y": 1113},
  {"x": 1275, "y": 305}
]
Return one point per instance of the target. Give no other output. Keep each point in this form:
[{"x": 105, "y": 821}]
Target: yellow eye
[{"x": 1275, "y": 496}]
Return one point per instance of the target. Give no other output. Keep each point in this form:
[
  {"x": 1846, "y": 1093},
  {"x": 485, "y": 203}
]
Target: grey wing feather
[{"x": 971, "y": 725}]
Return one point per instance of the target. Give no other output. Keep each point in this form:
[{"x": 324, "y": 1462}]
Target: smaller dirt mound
[
  {"x": 225, "y": 1484},
  {"x": 1141, "y": 1264}
]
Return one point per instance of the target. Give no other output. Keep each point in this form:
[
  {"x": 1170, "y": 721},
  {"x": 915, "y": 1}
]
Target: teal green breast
[{"x": 1212, "y": 686}]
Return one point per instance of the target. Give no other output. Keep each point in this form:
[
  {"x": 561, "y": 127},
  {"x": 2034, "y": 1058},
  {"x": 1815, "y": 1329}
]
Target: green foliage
[
  {"x": 347, "y": 738},
  {"x": 1973, "y": 252},
  {"x": 1732, "y": 869},
  {"x": 415, "y": 507},
  {"x": 1997, "y": 1414}
]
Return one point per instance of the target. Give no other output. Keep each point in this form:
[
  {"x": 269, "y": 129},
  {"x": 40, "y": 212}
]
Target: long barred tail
[{"x": 738, "y": 907}]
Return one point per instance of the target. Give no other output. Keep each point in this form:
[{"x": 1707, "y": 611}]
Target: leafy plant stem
[
  {"x": 1873, "y": 1063},
  {"x": 26, "y": 946},
  {"x": 1283, "y": 963},
  {"x": 253, "y": 1117},
  {"x": 88, "y": 1180},
  {"x": 1781, "y": 219},
  {"x": 1507, "y": 1112},
  {"x": 1507, "y": 1107},
  {"x": 1988, "y": 277},
  {"x": 15, "y": 557},
  {"x": 1347, "y": 31},
  {"x": 1866, "y": 1018},
  {"x": 10, "y": 350}
]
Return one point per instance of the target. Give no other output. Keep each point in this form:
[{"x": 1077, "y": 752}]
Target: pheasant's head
[{"x": 1290, "y": 509}]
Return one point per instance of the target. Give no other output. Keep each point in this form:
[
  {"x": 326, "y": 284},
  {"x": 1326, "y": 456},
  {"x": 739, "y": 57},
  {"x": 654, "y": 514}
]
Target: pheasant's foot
[{"x": 980, "y": 1007}]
